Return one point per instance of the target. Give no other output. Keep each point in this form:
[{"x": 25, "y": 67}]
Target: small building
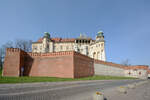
[
  {"x": 137, "y": 71},
  {"x": 149, "y": 73}
]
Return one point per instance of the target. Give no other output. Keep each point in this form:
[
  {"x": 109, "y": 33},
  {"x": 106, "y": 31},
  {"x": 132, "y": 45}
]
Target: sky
[{"x": 125, "y": 23}]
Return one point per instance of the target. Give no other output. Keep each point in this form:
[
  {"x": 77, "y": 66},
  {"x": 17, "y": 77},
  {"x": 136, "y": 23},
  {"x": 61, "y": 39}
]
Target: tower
[
  {"x": 100, "y": 40},
  {"x": 45, "y": 42},
  {"x": 97, "y": 49}
]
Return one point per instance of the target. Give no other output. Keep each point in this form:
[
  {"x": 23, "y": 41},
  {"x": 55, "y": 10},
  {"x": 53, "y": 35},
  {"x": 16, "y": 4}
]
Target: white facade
[
  {"x": 138, "y": 73},
  {"x": 84, "y": 45}
]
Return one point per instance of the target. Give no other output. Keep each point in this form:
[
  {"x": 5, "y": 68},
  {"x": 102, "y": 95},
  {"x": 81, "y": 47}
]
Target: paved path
[
  {"x": 141, "y": 92},
  {"x": 78, "y": 90}
]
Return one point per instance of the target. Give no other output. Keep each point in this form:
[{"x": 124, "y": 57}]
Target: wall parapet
[
  {"x": 109, "y": 64},
  {"x": 135, "y": 67},
  {"x": 13, "y": 49},
  {"x": 83, "y": 56},
  {"x": 145, "y": 67},
  {"x": 65, "y": 53}
]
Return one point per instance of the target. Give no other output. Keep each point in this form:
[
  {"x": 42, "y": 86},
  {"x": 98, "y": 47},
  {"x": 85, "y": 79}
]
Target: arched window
[
  {"x": 98, "y": 55},
  {"x": 61, "y": 47},
  {"x": 94, "y": 55}
]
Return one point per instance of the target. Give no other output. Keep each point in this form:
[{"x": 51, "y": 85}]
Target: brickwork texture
[{"x": 68, "y": 64}]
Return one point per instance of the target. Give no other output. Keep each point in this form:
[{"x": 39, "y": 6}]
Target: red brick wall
[
  {"x": 12, "y": 62},
  {"x": 83, "y": 66},
  {"x": 52, "y": 66},
  {"x": 60, "y": 64}
]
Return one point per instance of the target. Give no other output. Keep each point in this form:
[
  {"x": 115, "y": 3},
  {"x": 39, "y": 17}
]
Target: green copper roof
[
  {"x": 46, "y": 34},
  {"x": 100, "y": 33}
]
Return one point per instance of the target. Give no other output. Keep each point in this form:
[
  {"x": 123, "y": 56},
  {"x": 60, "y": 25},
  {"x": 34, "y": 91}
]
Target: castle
[
  {"x": 84, "y": 45},
  {"x": 67, "y": 58}
]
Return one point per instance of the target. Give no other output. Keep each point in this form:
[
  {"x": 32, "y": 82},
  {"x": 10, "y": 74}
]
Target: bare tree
[
  {"x": 19, "y": 43},
  {"x": 126, "y": 62},
  {"x": 23, "y": 44},
  {"x": 9, "y": 44}
]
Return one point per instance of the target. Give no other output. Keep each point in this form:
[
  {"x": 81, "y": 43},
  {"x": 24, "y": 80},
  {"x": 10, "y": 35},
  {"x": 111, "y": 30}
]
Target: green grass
[{"x": 53, "y": 79}]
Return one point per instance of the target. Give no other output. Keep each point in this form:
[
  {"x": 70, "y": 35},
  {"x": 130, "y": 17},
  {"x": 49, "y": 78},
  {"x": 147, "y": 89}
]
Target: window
[
  {"x": 40, "y": 47},
  {"x": 35, "y": 47},
  {"x": 67, "y": 47},
  {"x": 47, "y": 46},
  {"x": 102, "y": 45},
  {"x": 61, "y": 47},
  {"x": 129, "y": 73}
]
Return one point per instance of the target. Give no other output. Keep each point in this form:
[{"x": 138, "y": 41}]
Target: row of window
[
  {"x": 98, "y": 45},
  {"x": 131, "y": 73},
  {"x": 63, "y": 47}
]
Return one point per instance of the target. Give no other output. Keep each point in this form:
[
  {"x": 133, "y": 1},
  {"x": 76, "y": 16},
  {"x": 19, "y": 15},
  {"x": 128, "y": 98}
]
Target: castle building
[{"x": 84, "y": 45}]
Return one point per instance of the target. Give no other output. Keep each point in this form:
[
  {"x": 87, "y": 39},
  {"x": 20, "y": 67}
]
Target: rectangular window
[
  {"x": 102, "y": 45},
  {"x": 67, "y": 47},
  {"x": 61, "y": 47}
]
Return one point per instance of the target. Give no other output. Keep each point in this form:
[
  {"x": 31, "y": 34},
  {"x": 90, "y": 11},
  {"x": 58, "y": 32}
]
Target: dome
[
  {"x": 100, "y": 33},
  {"x": 46, "y": 34}
]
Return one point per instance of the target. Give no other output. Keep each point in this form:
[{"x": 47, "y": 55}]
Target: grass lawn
[{"x": 53, "y": 79}]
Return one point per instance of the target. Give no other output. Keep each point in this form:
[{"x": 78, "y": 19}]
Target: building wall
[
  {"x": 68, "y": 64},
  {"x": 83, "y": 66},
  {"x": 63, "y": 46},
  {"x": 140, "y": 73},
  {"x": 112, "y": 69},
  {"x": 97, "y": 51},
  {"x": 60, "y": 64},
  {"x": 94, "y": 49},
  {"x": 101, "y": 69},
  {"x": 12, "y": 62}
]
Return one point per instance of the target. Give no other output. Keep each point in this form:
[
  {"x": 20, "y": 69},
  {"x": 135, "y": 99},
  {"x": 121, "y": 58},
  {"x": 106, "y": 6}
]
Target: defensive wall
[
  {"x": 108, "y": 68},
  {"x": 113, "y": 69},
  {"x": 67, "y": 64}
]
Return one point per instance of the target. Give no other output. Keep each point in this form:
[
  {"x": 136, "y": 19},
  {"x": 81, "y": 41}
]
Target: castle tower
[
  {"x": 97, "y": 49},
  {"x": 45, "y": 42},
  {"x": 100, "y": 40}
]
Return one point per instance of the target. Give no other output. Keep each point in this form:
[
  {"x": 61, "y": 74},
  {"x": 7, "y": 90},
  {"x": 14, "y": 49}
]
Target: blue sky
[{"x": 125, "y": 23}]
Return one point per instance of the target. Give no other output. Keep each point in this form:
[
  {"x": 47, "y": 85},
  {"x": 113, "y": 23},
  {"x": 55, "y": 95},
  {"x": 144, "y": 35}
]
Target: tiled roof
[
  {"x": 137, "y": 67},
  {"x": 110, "y": 64},
  {"x": 122, "y": 66},
  {"x": 40, "y": 40},
  {"x": 59, "y": 39},
  {"x": 63, "y": 40}
]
